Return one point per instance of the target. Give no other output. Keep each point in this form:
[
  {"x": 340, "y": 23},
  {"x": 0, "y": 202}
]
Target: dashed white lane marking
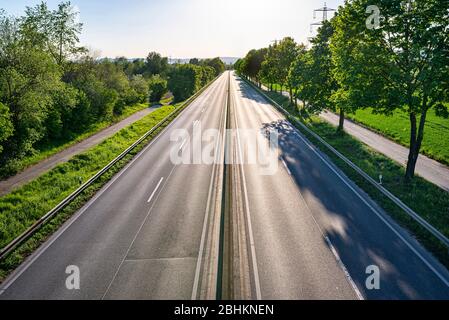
[{"x": 155, "y": 189}]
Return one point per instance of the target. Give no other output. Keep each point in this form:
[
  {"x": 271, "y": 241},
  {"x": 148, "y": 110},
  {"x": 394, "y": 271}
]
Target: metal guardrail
[
  {"x": 379, "y": 187},
  {"x": 6, "y": 250}
]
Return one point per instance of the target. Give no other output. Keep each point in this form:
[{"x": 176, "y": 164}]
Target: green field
[
  {"x": 425, "y": 198},
  {"x": 397, "y": 127},
  {"x": 56, "y": 146}
]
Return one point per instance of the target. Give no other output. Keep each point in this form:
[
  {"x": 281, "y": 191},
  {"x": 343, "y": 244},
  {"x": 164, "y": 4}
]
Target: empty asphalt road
[
  {"x": 308, "y": 215},
  {"x": 305, "y": 230}
]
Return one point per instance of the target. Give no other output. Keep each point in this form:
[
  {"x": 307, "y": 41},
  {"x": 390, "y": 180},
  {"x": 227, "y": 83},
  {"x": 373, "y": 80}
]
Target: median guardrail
[
  {"x": 10, "y": 247},
  {"x": 367, "y": 177}
]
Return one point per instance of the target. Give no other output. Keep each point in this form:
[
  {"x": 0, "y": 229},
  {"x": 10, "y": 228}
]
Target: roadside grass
[
  {"x": 425, "y": 198},
  {"x": 25, "y": 205},
  {"x": 397, "y": 127},
  {"x": 56, "y": 146}
]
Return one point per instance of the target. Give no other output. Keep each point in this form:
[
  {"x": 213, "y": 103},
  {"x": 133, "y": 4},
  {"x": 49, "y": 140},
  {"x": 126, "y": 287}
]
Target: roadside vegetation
[
  {"x": 25, "y": 205},
  {"x": 435, "y": 143},
  {"x": 425, "y": 198},
  {"x": 400, "y": 65},
  {"x": 53, "y": 92}
]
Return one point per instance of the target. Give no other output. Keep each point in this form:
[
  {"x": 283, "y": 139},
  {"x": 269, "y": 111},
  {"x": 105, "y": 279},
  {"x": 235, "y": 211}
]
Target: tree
[
  {"x": 194, "y": 61},
  {"x": 217, "y": 64},
  {"x": 185, "y": 79},
  {"x": 6, "y": 127},
  {"x": 252, "y": 63},
  {"x": 157, "y": 88},
  {"x": 287, "y": 52},
  {"x": 56, "y": 30},
  {"x": 156, "y": 64},
  {"x": 269, "y": 71},
  {"x": 402, "y": 64}
]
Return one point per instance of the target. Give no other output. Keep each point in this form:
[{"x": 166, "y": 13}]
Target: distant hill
[{"x": 226, "y": 60}]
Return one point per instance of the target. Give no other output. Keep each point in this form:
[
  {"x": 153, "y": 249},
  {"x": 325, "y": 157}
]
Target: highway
[{"x": 304, "y": 232}]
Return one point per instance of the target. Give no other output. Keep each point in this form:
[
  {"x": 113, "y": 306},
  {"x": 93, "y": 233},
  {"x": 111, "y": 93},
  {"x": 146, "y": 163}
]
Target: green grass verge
[
  {"x": 425, "y": 198},
  {"x": 397, "y": 127},
  {"x": 22, "y": 207},
  {"x": 50, "y": 149}
]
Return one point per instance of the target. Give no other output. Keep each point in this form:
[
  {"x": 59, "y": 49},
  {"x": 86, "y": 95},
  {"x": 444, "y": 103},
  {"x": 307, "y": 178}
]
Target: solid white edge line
[
  {"x": 248, "y": 216},
  {"x": 285, "y": 165},
  {"x": 41, "y": 249},
  {"x": 205, "y": 221},
  {"x": 379, "y": 215},
  {"x": 155, "y": 189}
]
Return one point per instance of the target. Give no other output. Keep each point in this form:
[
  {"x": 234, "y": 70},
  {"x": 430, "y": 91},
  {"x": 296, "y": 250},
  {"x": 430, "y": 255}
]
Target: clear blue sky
[{"x": 186, "y": 28}]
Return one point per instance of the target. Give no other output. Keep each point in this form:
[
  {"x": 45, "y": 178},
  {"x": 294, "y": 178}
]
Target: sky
[{"x": 186, "y": 28}]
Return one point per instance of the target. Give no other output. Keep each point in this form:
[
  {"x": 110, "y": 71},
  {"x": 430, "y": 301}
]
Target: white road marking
[
  {"x": 345, "y": 270},
  {"x": 205, "y": 221},
  {"x": 134, "y": 239},
  {"x": 285, "y": 165},
  {"x": 183, "y": 143},
  {"x": 155, "y": 189},
  {"x": 379, "y": 215},
  {"x": 248, "y": 216},
  {"x": 39, "y": 251}
]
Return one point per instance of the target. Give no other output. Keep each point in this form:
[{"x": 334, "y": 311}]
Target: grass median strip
[
  {"x": 425, "y": 198},
  {"x": 22, "y": 207}
]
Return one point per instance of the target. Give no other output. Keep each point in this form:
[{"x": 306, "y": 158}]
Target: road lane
[
  {"x": 294, "y": 261},
  {"x": 361, "y": 232},
  {"x": 125, "y": 246}
]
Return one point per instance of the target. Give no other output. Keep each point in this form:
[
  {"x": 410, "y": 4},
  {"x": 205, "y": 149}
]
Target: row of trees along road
[
  {"x": 400, "y": 64},
  {"x": 52, "y": 89}
]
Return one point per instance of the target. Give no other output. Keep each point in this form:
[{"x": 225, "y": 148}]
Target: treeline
[
  {"x": 52, "y": 89},
  {"x": 398, "y": 60},
  {"x": 185, "y": 79}
]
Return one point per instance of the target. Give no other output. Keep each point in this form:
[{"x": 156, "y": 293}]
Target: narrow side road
[
  {"x": 37, "y": 169},
  {"x": 355, "y": 227},
  {"x": 427, "y": 168},
  {"x": 140, "y": 236}
]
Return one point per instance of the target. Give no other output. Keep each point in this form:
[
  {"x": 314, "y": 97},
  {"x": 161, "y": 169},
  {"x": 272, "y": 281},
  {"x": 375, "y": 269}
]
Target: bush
[{"x": 157, "y": 88}]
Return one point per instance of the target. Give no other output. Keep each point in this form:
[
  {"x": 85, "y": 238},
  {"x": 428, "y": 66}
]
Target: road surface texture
[
  {"x": 139, "y": 237},
  {"x": 310, "y": 209},
  {"x": 309, "y": 232},
  {"x": 37, "y": 169},
  {"x": 427, "y": 168}
]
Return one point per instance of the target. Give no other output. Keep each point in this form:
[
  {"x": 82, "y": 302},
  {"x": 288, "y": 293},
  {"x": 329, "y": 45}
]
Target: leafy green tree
[
  {"x": 252, "y": 63},
  {"x": 56, "y": 30},
  {"x": 402, "y": 64},
  {"x": 157, "y": 88},
  {"x": 194, "y": 61},
  {"x": 6, "y": 127},
  {"x": 217, "y": 64},
  {"x": 140, "y": 86},
  {"x": 185, "y": 79},
  {"x": 269, "y": 71},
  {"x": 287, "y": 51},
  {"x": 156, "y": 64}
]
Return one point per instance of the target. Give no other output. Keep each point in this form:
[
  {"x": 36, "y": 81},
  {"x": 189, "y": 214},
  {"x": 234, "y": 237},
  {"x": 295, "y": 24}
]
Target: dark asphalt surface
[
  {"x": 314, "y": 232},
  {"x": 361, "y": 232},
  {"x": 126, "y": 247}
]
